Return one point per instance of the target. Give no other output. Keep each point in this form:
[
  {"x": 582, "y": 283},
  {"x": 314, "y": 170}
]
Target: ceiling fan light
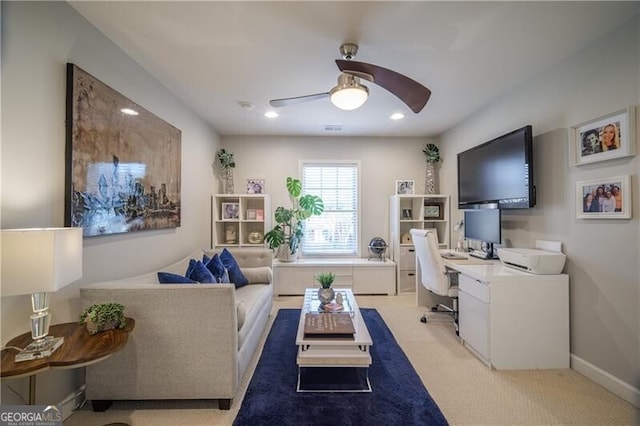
[
  {"x": 349, "y": 98},
  {"x": 349, "y": 94}
]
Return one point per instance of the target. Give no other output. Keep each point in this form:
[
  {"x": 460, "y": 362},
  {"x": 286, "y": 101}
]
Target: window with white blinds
[{"x": 334, "y": 232}]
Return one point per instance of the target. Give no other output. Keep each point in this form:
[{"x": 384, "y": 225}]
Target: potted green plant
[
  {"x": 226, "y": 163},
  {"x": 285, "y": 237},
  {"x": 103, "y": 316},
  {"x": 432, "y": 155},
  {"x": 325, "y": 293}
]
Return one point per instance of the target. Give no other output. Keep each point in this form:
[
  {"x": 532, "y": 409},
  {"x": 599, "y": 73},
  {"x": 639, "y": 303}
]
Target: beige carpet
[{"x": 467, "y": 392}]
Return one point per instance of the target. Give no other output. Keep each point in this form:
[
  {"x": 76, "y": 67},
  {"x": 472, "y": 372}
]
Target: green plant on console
[
  {"x": 103, "y": 316},
  {"x": 326, "y": 279},
  {"x": 288, "y": 229}
]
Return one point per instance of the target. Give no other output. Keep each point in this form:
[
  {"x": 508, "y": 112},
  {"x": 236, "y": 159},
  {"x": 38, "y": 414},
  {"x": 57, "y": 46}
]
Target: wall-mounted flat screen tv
[{"x": 498, "y": 173}]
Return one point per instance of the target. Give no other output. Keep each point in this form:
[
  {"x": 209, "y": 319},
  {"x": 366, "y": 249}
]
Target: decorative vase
[
  {"x": 430, "y": 178},
  {"x": 228, "y": 181},
  {"x": 326, "y": 295},
  {"x": 284, "y": 253}
]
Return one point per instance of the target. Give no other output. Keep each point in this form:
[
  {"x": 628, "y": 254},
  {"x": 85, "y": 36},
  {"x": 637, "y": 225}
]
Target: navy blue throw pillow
[
  {"x": 169, "y": 278},
  {"x": 217, "y": 268},
  {"x": 198, "y": 272},
  {"x": 235, "y": 274}
]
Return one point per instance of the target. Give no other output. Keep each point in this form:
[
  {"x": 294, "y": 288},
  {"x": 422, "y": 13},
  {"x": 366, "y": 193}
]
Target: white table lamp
[
  {"x": 39, "y": 261},
  {"x": 459, "y": 228}
]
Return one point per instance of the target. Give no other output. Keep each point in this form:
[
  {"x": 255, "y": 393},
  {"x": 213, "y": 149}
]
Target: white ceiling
[{"x": 214, "y": 54}]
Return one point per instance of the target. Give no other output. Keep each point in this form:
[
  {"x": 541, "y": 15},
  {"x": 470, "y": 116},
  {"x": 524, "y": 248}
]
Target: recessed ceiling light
[
  {"x": 246, "y": 105},
  {"x": 397, "y": 116},
  {"x": 129, "y": 111},
  {"x": 271, "y": 114}
]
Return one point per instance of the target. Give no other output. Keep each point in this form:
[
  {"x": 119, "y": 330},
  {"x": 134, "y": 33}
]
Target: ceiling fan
[{"x": 350, "y": 94}]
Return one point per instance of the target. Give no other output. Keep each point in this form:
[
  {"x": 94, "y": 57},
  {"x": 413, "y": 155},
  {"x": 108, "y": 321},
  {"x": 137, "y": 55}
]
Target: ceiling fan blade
[
  {"x": 409, "y": 91},
  {"x": 276, "y": 103}
]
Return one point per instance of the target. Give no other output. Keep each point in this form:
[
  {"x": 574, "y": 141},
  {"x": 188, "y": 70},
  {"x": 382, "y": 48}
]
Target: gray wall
[
  {"x": 38, "y": 39},
  {"x": 602, "y": 254}
]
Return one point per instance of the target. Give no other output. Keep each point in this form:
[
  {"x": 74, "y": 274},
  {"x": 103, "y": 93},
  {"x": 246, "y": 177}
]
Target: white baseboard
[
  {"x": 606, "y": 380},
  {"x": 71, "y": 402}
]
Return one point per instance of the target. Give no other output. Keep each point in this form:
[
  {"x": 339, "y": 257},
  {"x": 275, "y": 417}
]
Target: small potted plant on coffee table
[{"x": 325, "y": 292}]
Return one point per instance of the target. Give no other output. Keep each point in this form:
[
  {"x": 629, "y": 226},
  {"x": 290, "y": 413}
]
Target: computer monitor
[{"x": 483, "y": 225}]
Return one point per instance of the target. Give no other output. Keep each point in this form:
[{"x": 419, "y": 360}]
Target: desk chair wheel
[{"x": 424, "y": 319}]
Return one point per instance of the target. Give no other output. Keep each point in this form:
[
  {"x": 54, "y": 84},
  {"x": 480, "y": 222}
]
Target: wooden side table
[{"x": 78, "y": 350}]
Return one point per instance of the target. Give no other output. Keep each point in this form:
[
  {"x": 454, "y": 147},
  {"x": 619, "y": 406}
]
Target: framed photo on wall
[
  {"x": 405, "y": 187},
  {"x": 606, "y": 198},
  {"x": 604, "y": 138}
]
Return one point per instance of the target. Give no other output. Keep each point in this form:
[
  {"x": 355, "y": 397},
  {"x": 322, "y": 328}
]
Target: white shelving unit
[
  {"x": 415, "y": 211},
  {"x": 236, "y": 218}
]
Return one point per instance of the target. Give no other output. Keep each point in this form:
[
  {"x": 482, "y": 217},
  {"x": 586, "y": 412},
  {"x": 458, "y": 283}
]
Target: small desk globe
[{"x": 377, "y": 248}]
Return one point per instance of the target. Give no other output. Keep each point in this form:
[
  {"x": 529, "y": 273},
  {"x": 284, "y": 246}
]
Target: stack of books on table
[
  {"x": 331, "y": 307},
  {"x": 329, "y": 325}
]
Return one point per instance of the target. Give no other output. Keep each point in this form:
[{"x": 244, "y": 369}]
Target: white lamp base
[{"x": 40, "y": 348}]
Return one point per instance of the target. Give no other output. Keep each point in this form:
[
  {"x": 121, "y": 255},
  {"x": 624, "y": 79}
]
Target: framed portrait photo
[
  {"x": 230, "y": 211},
  {"x": 604, "y": 138},
  {"x": 405, "y": 187},
  {"x": 255, "y": 186},
  {"x": 606, "y": 198}
]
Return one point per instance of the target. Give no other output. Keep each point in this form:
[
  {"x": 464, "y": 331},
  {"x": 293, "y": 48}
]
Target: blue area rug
[{"x": 398, "y": 396}]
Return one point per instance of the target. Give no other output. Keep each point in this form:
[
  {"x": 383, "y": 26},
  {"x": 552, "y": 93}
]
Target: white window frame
[{"x": 329, "y": 163}]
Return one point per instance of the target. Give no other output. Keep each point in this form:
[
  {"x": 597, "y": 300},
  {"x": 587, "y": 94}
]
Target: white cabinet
[
  {"x": 415, "y": 211},
  {"x": 512, "y": 319},
  {"x": 240, "y": 220},
  {"x": 362, "y": 276}
]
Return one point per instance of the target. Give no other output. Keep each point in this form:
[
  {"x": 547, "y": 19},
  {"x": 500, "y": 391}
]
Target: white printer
[{"x": 546, "y": 259}]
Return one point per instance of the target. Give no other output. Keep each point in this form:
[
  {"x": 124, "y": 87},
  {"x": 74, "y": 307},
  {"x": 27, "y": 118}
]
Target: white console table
[
  {"x": 361, "y": 275},
  {"x": 511, "y": 319}
]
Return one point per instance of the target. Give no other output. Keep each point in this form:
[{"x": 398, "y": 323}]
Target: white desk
[{"x": 512, "y": 319}]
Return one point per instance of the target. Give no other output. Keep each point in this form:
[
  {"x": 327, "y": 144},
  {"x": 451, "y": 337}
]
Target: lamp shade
[
  {"x": 349, "y": 94},
  {"x": 39, "y": 260}
]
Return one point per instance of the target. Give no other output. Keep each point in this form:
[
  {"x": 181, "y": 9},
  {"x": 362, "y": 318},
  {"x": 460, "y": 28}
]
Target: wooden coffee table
[
  {"x": 328, "y": 352},
  {"x": 78, "y": 350}
]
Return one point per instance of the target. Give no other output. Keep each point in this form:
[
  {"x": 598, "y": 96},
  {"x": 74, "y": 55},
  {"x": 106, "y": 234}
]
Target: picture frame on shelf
[
  {"x": 407, "y": 214},
  {"x": 433, "y": 211},
  {"x": 251, "y": 214},
  {"x": 603, "y": 138},
  {"x": 604, "y": 198},
  {"x": 231, "y": 233},
  {"x": 405, "y": 187},
  {"x": 255, "y": 186},
  {"x": 260, "y": 215},
  {"x": 230, "y": 211}
]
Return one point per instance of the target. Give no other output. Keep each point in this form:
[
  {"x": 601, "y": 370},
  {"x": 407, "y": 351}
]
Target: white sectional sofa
[{"x": 190, "y": 341}]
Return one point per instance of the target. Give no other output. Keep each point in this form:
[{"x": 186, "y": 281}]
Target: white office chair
[{"x": 434, "y": 276}]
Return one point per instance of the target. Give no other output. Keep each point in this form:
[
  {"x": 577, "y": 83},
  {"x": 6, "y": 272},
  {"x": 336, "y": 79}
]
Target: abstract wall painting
[{"x": 123, "y": 162}]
